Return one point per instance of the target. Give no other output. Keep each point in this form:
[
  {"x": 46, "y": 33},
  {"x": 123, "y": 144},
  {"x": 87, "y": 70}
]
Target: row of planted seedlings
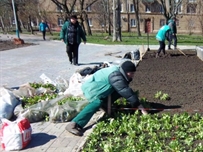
[{"x": 133, "y": 132}]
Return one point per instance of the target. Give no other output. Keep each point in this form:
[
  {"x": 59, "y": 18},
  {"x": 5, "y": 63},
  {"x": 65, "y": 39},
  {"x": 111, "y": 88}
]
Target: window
[
  {"x": 14, "y": 22},
  {"x": 90, "y": 21},
  {"x": 121, "y": 7},
  {"x": 161, "y": 9},
  {"x": 89, "y": 8},
  {"x": 60, "y": 22},
  {"x": 58, "y": 9},
  {"x": 180, "y": 8},
  {"x": 75, "y": 9},
  {"x": 191, "y": 8},
  {"x": 132, "y": 9},
  {"x": 191, "y": 1},
  {"x": 147, "y": 9},
  {"x": 132, "y": 23},
  {"x": 162, "y": 22}
]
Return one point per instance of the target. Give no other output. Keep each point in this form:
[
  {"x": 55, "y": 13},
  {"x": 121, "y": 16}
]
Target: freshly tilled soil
[{"x": 180, "y": 76}]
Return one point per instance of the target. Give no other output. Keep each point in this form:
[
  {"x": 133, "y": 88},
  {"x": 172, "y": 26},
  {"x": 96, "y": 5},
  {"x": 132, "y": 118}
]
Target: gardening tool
[
  {"x": 180, "y": 51},
  {"x": 159, "y": 109}
]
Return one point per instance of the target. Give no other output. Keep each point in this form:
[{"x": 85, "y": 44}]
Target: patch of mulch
[
  {"x": 181, "y": 77},
  {"x": 9, "y": 44}
]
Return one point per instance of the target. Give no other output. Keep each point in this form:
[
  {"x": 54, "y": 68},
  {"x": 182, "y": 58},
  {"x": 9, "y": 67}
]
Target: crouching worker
[
  {"x": 162, "y": 34},
  {"x": 114, "y": 81}
]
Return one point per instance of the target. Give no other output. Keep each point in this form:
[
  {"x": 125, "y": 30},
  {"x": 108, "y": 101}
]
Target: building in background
[{"x": 189, "y": 15}]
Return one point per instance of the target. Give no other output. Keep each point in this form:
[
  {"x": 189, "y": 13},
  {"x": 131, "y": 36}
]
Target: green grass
[{"x": 133, "y": 39}]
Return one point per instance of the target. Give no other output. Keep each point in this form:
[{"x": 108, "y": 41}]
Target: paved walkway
[{"x": 22, "y": 65}]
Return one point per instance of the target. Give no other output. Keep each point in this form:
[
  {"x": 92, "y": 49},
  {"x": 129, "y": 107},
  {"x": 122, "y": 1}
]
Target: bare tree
[
  {"x": 103, "y": 15},
  {"x": 25, "y": 13},
  {"x": 68, "y": 8},
  {"x": 136, "y": 7},
  {"x": 28, "y": 14},
  {"x": 116, "y": 21},
  {"x": 3, "y": 15},
  {"x": 170, "y": 7},
  {"x": 200, "y": 16},
  {"x": 6, "y": 14}
]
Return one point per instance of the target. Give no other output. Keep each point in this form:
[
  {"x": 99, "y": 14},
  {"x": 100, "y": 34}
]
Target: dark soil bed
[
  {"x": 9, "y": 44},
  {"x": 181, "y": 77}
]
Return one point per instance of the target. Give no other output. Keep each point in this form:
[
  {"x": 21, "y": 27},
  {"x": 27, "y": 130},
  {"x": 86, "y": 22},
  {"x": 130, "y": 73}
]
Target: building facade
[{"x": 99, "y": 15}]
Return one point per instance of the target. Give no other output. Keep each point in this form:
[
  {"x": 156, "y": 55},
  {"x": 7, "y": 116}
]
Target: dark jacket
[
  {"x": 172, "y": 25},
  {"x": 64, "y": 32},
  {"x": 107, "y": 81}
]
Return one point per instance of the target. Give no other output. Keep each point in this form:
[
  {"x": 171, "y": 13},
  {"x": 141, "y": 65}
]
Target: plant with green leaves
[
  {"x": 158, "y": 95},
  {"x": 165, "y": 97},
  {"x": 162, "y": 96},
  {"x": 158, "y": 132}
]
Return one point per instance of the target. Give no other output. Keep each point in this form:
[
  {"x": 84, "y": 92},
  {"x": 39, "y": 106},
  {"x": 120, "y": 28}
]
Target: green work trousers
[{"x": 86, "y": 114}]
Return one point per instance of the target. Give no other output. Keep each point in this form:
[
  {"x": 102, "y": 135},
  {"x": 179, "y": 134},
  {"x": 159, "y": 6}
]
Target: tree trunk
[
  {"x": 136, "y": 7},
  {"x": 30, "y": 25},
  {"x": 2, "y": 23},
  {"x": 89, "y": 32},
  {"x": 109, "y": 19},
  {"x": 116, "y": 21}
]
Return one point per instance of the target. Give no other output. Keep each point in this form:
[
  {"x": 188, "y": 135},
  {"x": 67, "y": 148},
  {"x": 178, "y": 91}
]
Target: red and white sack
[{"x": 15, "y": 135}]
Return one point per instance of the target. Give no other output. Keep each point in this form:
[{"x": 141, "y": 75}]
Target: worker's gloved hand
[{"x": 144, "y": 112}]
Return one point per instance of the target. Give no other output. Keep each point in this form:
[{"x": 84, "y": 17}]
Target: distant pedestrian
[
  {"x": 71, "y": 34},
  {"x": 162, "y": 34},
  {"x": 172, "y": 34},
  {"x": 42, "y": 27}
]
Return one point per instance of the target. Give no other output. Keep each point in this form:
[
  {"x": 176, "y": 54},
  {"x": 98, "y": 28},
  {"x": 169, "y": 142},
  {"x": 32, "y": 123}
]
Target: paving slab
[{"x": 27, "y": 64}]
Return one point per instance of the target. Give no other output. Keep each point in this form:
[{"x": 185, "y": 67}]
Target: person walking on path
[
  {"x": 71, "y": 34},
  {"x": 162, "y": 34},
  {"x": 172, "y": 34},
  {"x": 42, "y": 27},
  {"x": 114, "y": 81}
]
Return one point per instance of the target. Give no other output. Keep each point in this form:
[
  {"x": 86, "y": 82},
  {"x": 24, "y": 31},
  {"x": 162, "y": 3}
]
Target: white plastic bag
[
  {"x": 61, "y": 84},
  {"x": 46, "y": 79},
  {"x": 75, "y": 83},
  {"x": 24, "y": 90},
  {"x": 8, "y": 102},
  {"x": 15, "y": 135}
]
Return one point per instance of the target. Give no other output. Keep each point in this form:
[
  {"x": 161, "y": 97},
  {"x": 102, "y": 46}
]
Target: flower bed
[{"x": 173, "y": 124}]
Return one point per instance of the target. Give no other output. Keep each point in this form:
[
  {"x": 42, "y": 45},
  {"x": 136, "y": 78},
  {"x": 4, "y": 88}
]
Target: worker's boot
[{"x": 73, "y": 128}]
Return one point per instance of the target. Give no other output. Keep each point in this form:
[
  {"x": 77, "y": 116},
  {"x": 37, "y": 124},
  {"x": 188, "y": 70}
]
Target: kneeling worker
[{"x": 113, "y": 81}]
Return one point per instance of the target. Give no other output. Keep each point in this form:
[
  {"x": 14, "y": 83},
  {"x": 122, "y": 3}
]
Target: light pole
[{"x": 14, "y": 12}]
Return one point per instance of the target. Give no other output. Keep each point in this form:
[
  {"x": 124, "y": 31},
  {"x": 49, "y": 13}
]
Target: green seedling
[
  {"x": 158, "y": 95},
  {"x": 121, "y": 101},
  {"x": 165, "y": 97}
]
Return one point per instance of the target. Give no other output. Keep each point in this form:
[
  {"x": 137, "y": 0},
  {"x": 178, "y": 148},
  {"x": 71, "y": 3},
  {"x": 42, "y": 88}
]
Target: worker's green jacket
[
  {"x": 107, "y": 80},
  {"x": 163, "y": 33},
  {"x": 64, "y": 32}
]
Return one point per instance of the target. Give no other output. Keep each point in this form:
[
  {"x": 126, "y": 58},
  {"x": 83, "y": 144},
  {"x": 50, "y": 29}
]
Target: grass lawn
[{"x": 133, "y": 39}]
